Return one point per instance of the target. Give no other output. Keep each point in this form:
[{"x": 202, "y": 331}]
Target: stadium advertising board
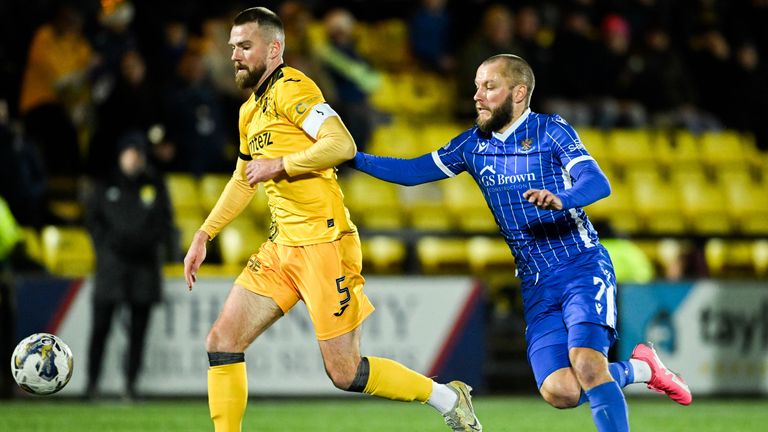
[
  {"x": 714, "y": 333},
  {"x": 421, "y": 322}
]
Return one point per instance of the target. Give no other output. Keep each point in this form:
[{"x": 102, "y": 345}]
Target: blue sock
[
  {"x": 609, "y": 408},
  {"x": 621, "y": 372}
]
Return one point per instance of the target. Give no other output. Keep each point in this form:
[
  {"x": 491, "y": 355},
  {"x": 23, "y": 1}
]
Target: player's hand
[
  {"x": 195, "y": 257},
  {"x": 259, "y": 170},
  {"x": 543, "y": 199}
]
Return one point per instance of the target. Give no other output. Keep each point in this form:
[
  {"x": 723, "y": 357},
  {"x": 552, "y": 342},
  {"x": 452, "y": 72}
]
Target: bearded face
[
  {"x": 246, "y": 77},
  {"x": 498, "y": 117}
]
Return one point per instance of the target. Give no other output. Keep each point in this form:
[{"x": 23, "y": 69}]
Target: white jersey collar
[{"x": 503, "y": 137}]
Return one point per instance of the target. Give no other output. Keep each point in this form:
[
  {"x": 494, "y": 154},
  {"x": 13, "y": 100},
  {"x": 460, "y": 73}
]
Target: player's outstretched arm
[
  {"x": 407, "y": 172},
  {"x": 195, "y": 257}
]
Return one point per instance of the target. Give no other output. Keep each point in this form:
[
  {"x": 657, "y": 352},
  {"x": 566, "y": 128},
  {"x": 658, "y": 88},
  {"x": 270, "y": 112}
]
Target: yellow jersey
[{"x": 305, "y": 209}]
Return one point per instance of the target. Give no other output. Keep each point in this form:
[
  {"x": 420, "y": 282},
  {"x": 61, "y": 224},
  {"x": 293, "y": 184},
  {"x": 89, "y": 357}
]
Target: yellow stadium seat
[
  {"x": 467, "y": 205},
  {"x": 187, "y": 225},
  {"x": 425, "y": 207},
  {"x": 685, "y": 150},
  {"x": 618, "y": 209},
  {"x": 373, "y": 203},
  {"x": 746, "y": 204},
  {"x": 67, "y": 250},
  {"x": 729, "y": 257},
  {"x": 658, "y": 207},
  {"x": 383, "y": 254},
  {"x": 436, "y": 134},
  {"x": 487, "y": 254},
  {"x": 760, "y": 257},
  {"x": 702, "y": 205},
  {"x": 396, "y": 139},
  {"x": 595, "y": 143},
  {"x": 238, "y": 241},
  {"x": 629, "y": 147},
  {"x": 184, "y": 193},
  {"x": 442, "y": 255},
  {"x": 30, "y": 238},
  {"x": 211, "y": 186},
  {"x": 722, "y": 148}
]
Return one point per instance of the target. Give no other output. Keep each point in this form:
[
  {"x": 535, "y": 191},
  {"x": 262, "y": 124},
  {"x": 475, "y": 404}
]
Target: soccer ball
[{"x": 42, "y": 364}]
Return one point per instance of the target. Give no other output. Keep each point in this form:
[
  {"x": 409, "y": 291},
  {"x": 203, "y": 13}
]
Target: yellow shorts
[{"x": 325, "y": 275}]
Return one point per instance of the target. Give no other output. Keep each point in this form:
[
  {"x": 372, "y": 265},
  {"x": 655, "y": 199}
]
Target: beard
[
  {"x": 499, "y": 118},
  {"x": 251, "y": 78}
]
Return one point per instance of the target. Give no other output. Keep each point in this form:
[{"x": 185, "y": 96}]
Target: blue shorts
[{"x": 572, "y": 304}]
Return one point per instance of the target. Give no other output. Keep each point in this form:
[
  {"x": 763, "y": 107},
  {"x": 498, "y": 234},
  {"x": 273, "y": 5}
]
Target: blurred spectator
[
  {"x": 574, "y": 51},
  {"x": 494, "y": 36},
  {"x": 54, "y": 98},
  {"x": 129, "y": 218},
  {"x": 535, "y": 41},
  {"x": 614, "y": 78},
  {"x": 665, "y": 87},
  {"x": 132, "y": 105},
  {"x": 710, "y": 57},
  {"x": 430, "y": 33},
  {"x": 352, "y": 78},
  {"x": 750, "y": 108},
  {"x": 22, "y": 174},
  {"x": 194, "y": 117},
  {"x": 111, "y": 41}
]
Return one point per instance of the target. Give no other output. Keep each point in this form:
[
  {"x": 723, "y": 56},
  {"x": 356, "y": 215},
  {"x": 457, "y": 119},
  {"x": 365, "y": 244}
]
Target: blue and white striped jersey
[{"x": 537, "y": 151}]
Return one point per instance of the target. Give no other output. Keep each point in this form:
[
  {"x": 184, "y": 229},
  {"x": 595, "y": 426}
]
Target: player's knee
[
  {"x": 590, "y": 373},
  {"x": 561, "y": 395},
  {"x": 218, "y": 341},
  {"x": 340, "y": 377}
]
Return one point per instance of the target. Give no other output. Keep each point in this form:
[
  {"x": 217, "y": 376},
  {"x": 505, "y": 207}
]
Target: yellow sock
[
  {"x": 227, "y": 396},
  {"x": 391, "y": 380}
]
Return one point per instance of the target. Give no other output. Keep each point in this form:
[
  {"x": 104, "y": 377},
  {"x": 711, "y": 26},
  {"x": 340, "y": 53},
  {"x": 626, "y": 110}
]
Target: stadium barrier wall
[
  {"x": 714, "y": 333},
  {"x": 433, "y": 325}
]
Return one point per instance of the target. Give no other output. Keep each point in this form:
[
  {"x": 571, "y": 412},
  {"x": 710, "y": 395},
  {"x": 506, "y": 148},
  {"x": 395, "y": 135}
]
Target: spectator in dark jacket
[{"x": 129, "y": 218}]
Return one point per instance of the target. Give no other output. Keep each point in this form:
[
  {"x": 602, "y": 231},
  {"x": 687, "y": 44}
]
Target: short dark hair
[{"x": 261, "y": 16}]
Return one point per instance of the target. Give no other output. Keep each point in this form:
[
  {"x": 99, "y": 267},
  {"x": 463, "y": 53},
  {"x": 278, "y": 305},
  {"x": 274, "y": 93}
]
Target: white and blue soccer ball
[{"x": 42, "y": 364}]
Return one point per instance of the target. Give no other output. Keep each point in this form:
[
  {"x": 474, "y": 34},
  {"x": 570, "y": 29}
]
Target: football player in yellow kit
[{"x": 291, "y": 140}]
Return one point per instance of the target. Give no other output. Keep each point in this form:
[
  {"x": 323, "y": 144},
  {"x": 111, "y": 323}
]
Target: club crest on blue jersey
[{"x": 526, "y": 145}]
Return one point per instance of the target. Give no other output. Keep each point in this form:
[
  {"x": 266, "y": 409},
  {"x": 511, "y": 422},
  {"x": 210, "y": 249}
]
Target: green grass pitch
[{"x": 514, "y": 414}]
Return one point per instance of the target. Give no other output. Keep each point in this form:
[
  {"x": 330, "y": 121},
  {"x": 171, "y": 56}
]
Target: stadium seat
[
  {"x": 702, "y": 205},
  {"x": 489, "y": 254},
  {"x": 396, "y": 139},
  {"x": 618, "y": 209},
  {"x": 630, "y": 147},
  {"x": 33, "y": 248},
  {"x": 383, "y": 254},
  {"x": 595, "y": 143},
  {"x": 658, "y": 206},
  {"x": 211, "y": 186},
  {"x": 238, "y": 241},
  {"x": 746, "y": 204},
  {"x": 372, "y": 203},
  {"x": 760, "y": 257},
  {"x": 722, "y": 148},
  {"x": 685, "y": 150},
  {"x": 729, "y": 258},
  {"x": 442, "y": 255},
  {"x": 67, "y": 250},
  {"x": 187, "y": 225},
  {"x": 424, "y": 205},
  {"x": 467, "y": 205},
  {"x": 183, "y": 190}
]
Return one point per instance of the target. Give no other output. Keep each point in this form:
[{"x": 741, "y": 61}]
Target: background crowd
[{"x": 76, "y": 76}]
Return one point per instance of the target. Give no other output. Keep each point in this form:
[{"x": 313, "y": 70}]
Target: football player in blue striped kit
[{"x": 536, "y": 175}]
